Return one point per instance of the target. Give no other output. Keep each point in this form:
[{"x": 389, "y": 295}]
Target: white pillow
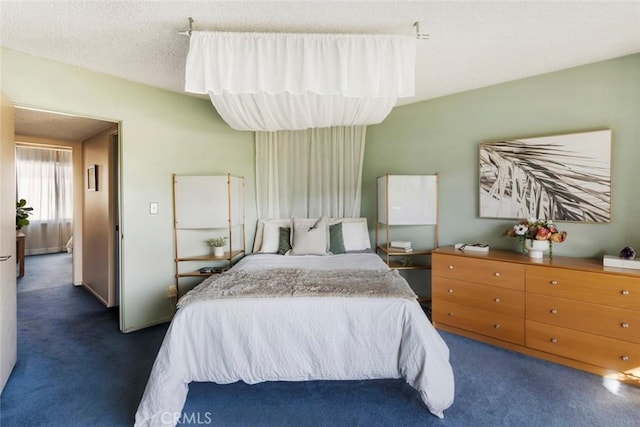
[
  {"x": 355, "y": 235},
  {"x": 310, "y": 240},
  {"x": 270, "y": 235},
  {"x": 270, "y": 238}
]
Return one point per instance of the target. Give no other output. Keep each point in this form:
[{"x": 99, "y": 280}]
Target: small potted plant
[
  {"x": 217, "y": 243},
  {"x": 22, "y": 214}
]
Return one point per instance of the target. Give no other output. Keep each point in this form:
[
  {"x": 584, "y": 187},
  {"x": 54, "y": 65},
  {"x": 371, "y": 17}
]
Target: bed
[{"x": 275, "y": 317}]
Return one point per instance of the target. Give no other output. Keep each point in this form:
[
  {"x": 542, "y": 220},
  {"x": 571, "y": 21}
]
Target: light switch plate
[{"x": 153, "y": 208}]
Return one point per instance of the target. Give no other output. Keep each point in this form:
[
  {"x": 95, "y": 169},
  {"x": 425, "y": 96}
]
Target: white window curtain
[
  {"x": 44, "y": 178},
  {"x": 285, "y": 81},
  {"x": 310, "y": 173}
]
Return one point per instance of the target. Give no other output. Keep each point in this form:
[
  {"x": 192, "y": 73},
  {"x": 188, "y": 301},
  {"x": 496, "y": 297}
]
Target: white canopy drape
[
  {"x": 279, "y": 81},
  {"x": 310, "y": 173}
]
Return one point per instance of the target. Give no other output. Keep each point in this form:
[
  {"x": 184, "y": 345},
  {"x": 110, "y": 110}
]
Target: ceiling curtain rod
[{"x": 419, "y": 35}]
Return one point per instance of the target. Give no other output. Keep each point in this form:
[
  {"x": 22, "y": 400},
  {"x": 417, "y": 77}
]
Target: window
[{"x": 44, "y": 178}]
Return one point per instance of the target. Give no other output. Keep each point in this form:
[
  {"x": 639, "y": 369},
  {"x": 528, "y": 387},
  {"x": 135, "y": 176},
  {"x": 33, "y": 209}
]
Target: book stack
[
  {"x": 400, "y": 246},
  {"x": 615, "y": 261}
]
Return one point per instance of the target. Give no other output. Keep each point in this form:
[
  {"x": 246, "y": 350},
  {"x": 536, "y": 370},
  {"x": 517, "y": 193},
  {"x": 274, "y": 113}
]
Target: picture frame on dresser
[{"x": 559, "y": 177}]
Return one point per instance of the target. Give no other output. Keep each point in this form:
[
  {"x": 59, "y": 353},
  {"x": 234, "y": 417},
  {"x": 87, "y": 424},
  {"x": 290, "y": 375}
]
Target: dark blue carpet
[
  {"x": 76, "y": 369},
  {"x": 46, "y": 271}
]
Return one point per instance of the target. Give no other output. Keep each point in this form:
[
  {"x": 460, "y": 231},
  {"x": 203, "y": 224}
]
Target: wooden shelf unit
[
  {"x": 203, "y": 204},
  {"x": 415, "y": 202},
  {"x": 389, "y": 255}
]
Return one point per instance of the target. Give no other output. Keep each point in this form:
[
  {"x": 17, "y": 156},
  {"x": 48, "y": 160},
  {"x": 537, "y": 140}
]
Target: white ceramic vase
[
  {"x": 218, "y": 251},
  {"x": 536, "y": 248}
]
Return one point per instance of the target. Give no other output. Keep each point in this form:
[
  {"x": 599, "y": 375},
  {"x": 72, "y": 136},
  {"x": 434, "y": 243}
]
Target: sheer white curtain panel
[
  {"x": 44, "y": 178},
  {"x": 284, "y": 81},
  {"x": 310, "y": 173}
]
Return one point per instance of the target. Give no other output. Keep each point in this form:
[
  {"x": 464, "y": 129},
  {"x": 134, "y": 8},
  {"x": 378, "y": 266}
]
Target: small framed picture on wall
[{"x": 92, "y": 178}]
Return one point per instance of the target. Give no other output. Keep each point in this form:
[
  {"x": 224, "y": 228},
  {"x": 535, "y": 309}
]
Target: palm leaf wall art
[{"x": 562, "y": 177}]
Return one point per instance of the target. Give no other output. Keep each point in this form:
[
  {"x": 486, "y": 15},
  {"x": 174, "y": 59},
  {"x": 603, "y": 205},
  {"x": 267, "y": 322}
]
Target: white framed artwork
[{"x": 560, "y": 177}]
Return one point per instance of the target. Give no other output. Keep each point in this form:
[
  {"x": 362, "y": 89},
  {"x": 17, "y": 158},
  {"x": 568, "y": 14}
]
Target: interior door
[{"x": 8, "y": 321}]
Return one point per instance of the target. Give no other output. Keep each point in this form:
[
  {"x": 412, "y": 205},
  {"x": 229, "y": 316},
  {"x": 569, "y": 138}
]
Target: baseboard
[
  {"x": 156, "y": 322},
  {"x": 95, "y": 294}
]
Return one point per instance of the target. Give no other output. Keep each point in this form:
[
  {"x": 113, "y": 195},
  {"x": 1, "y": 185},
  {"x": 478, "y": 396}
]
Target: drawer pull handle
[
  {"x": 554, "y": 311},
  {"x": 624, "y": 358},
  {"x": 624, "y": 324},
  {"x": 625, "y": 292},
  {"x": 497, "y": 326},
  {"x": 451, "y": 267},
  {"x": 450, "y": 291},
  {"x": 497, "y": 299},
  {"x": 450, "y": 314},
  {"x": 554, "y": 282},
  {"x": 554, "y": 340},
  {"x": 497, "y": 274}
]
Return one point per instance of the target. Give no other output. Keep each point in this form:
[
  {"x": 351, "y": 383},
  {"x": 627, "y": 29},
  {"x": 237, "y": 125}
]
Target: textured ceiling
[
  {"x": 62, "y": 127},
  {"x": 471, "y": 44}
]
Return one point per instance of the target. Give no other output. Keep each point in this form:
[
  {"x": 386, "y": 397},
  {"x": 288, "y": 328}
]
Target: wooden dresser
[{"x": 571, "y": 311}]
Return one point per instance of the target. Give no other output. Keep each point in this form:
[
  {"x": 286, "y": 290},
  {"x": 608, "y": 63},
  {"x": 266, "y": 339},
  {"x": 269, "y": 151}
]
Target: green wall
[
  {"x": 443, "y": 135},
  {"x": 161, "y": 133}
]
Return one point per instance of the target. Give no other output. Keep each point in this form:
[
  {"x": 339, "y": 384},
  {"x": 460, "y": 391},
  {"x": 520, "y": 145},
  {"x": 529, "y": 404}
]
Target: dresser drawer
[
  {"x": 599, "y": 288},
  {"x": 587, "y": 317},
  {"x": 496, "y": 325},
  {"x": 491, "y": 298},
  {"x": 621, "y": 356},
  {"x": 489, "y": 272}
]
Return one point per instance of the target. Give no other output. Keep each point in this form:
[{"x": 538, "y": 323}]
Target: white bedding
[{"x": 297, "y": 339}]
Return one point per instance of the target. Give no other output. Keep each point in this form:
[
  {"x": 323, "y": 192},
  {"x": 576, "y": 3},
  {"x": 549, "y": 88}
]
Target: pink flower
[{"x": 543, "y": 234}]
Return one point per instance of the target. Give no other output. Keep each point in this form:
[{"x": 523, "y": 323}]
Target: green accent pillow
[
  {"x": 336, "y": 240},
  {"x": 284, "y": 241}
]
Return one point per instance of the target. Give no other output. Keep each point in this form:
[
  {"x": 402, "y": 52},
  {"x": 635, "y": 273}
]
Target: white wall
[{"x": 162, "y": 133}]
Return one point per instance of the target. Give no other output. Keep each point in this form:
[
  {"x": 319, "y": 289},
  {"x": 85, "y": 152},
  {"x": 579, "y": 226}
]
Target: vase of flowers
[{"x": 537, "y": 235}]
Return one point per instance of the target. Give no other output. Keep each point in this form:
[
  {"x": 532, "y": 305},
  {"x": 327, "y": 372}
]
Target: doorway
[{"x": 73, "y": 132}]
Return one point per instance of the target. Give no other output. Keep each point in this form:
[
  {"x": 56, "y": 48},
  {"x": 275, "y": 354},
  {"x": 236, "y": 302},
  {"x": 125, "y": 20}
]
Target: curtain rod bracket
[
  {"x": 190, "y": 30},
  {"x": 419, "y": 35}
]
